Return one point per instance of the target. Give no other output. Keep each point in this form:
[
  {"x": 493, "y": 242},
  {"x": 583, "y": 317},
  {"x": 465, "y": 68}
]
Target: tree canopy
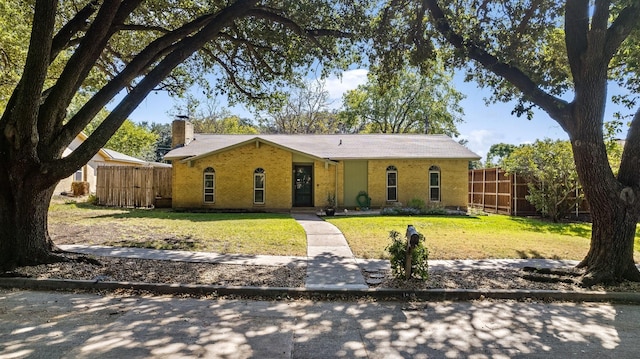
[
  {"x": 305, "y": 109},
  {"x": 558, "y": 56},
  {"x": 407, "y": 102},
  {"x": 131, "y": 139},
  {"x": 497, "y": 153},
  {"x": 551, "y": 174},
  {"x": 104, "y": 48}
]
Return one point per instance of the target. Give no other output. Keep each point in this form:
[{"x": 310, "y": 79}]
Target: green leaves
[
  {"x": 407, "y": 102},
  {"x": 553, "y": 181}
]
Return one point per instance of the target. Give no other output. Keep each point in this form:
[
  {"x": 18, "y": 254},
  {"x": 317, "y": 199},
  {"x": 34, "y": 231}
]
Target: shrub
[
  {"x": 79, "y": 188},
  {"x": 435, "y": 209},
  {"x": 92, "y": 199},
  {"x": 397, "y": 253},
  {"x": 416, "y": 203},
  {"x": 412, "y": 211}
]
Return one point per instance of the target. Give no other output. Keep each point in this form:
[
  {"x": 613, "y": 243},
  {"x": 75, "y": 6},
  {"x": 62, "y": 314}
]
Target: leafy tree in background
[
  {"x": 207, "y": 116},
  {"x": 408, "y": 102},
  {"x": 497, "y": 153},
  {"x": 105, "y": 47},
  {"x": 131, "y": 139},
  {"x": 558, "y": 56},
  {"x": 228, "y": 125},
  {"x": 162, "y": 131},
  {"x": 551, "y": 174},
  {"x": 305, "y": 109}
]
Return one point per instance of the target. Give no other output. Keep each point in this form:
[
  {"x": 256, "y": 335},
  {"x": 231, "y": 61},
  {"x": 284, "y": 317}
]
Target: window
[
  {"x": 79, "y": 175},
  {"x": 434, "y": 184},
  {"x": 392, "y": 184},
  {"x": 258, "y": 186},
  {"x": 209, "y": 185}
]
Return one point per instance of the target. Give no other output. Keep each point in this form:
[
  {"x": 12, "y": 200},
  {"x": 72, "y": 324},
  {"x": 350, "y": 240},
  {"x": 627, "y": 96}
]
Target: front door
[{"x": 303, "y": 186}]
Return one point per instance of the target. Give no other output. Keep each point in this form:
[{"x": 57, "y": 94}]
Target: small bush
[
  {"x": 92, "y": 199},
  {"x": 416, "y": 203},
  {"x": 397, "y": 253},
  {"x": 400, "y": 211},
  {"x": 412, "y": 211},
  {"x": 435, "y": 209}
]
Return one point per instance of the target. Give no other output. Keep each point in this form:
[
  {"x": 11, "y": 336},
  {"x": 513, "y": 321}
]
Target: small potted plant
[{"x": 331, "y": 204}]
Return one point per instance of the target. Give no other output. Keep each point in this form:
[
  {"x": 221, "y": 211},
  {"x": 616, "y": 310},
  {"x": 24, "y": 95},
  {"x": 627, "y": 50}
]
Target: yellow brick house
[{"x": 281, "y": 172}]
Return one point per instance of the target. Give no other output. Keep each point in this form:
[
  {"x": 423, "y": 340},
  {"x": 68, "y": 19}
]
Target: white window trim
[
  {"x": 205, "y": 188},
  {"x": 395, "y": 172},
  {"x": 81, "y": 172},
  {"x": 439, "y": 187},
  {"x": 256, "y": 189}
]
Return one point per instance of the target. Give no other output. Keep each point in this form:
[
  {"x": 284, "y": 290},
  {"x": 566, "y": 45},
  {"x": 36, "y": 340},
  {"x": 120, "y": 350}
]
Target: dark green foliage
[{"x": 397, "y": 255}]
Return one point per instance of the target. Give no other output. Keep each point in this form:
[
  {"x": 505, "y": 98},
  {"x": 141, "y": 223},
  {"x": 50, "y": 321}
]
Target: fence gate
[{"x": 128, "y": 186}]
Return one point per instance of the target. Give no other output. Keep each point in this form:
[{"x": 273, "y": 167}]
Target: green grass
[
  {"x": 460, "y": 237},
  {"x": 447, "y": 237},
  {"x": 246, "y": 233}
]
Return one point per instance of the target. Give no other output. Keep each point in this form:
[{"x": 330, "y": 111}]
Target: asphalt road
[{"x": 37, "y": 324}]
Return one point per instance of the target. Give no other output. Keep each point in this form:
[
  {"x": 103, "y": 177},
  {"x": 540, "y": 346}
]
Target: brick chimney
[{"x": 181, "y": 132}]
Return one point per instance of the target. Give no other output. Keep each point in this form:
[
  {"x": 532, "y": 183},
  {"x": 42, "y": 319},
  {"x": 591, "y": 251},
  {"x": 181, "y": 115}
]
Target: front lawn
[
  {"x": 460, "y": 237},
  {"x": 246, "y": 233},
  {"x": 447, "y": 237}
]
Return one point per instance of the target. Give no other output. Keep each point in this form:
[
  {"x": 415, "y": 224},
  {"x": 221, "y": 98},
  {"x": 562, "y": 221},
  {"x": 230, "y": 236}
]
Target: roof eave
[{"x": 256, "y": 140}]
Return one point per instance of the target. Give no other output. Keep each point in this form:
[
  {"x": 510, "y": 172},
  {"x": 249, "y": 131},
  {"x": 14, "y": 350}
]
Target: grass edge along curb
[{"x": 383, "y": 294}]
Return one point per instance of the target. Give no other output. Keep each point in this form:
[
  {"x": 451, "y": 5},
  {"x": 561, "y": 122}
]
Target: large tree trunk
[
  {"x": 24, "y": 237},
  {"x": 610, "y": 257},
  {"x": 613, "y": 207}
]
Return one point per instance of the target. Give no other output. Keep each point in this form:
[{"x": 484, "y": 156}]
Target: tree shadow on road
[{"x": 89, "y": 325}]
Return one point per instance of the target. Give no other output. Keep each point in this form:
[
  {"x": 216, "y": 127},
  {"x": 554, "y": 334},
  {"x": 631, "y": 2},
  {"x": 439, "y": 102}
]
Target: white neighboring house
[{"x": 104, "y": 157}]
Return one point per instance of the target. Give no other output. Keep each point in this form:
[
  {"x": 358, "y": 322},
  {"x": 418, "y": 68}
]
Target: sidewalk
[{"x": 330, "y": 264}]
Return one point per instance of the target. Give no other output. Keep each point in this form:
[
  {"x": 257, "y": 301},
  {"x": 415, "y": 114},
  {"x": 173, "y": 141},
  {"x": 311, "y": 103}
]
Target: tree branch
[
  {"x": 556, "y": 108},
  {"x": 138, "y": 65},
  {"x": 71, "y": 28},
  {"x": 19, "y": 120},
  {"x": 628, "y": 173},
  {"x": 576, "y": 28},
  {"x": 185, "y": 48},
  {"x": 53, "y": 111},
  {"x": 623, "y": 25},
  {"x": 311, "y": 34}
]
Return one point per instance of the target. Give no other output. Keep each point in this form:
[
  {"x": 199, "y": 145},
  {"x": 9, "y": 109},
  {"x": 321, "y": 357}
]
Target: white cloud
[
  {"x": 337, "y": 86},
  {"x": 481, "y": 140}
]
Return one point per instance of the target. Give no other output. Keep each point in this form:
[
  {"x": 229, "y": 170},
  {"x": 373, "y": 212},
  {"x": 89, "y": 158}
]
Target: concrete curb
[{"x": 384, "y": 294}]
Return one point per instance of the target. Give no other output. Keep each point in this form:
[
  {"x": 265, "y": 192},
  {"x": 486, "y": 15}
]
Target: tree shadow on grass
[
  {"x": 540, "y": 226},
  {"x": 170, "y": 214},
  {"x": 533, "y": 254}
]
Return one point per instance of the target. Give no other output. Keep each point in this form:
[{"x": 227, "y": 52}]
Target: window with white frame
[
  {"x": 434, "y": 184},
  {"x": 392, "y": 184},
  {"x": 258, "y": 186},
  {"x": 209, "y": 181},
  {"x": 79, "y": 175}
]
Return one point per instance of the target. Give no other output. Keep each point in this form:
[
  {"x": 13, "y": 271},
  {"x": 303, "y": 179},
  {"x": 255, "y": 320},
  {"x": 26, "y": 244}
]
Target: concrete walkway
[{"x": 330, "y": 264}]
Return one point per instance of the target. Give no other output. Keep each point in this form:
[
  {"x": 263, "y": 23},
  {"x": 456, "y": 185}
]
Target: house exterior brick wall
[
  {"x": 325, "y": 182},
  {"x": 340, "y": 168},
  {"x": 413, "y": 181},
  {"x": 234, "y": 171},
  {"x": 235, "y": 167}
]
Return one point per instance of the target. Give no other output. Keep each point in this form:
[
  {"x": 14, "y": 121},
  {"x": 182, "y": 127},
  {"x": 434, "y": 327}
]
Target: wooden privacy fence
[
  {"x": 491, "y": 190},
  {"x": 128, "y": 186}
]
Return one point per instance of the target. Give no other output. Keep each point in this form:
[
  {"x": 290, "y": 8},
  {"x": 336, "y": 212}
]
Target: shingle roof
[
  {"x": 336, "y": 147},
  {"x": 121, "y": 157}
]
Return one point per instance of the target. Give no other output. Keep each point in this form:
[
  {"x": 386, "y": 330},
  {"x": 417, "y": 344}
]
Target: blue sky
[{"x": 483, "y": 125}]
